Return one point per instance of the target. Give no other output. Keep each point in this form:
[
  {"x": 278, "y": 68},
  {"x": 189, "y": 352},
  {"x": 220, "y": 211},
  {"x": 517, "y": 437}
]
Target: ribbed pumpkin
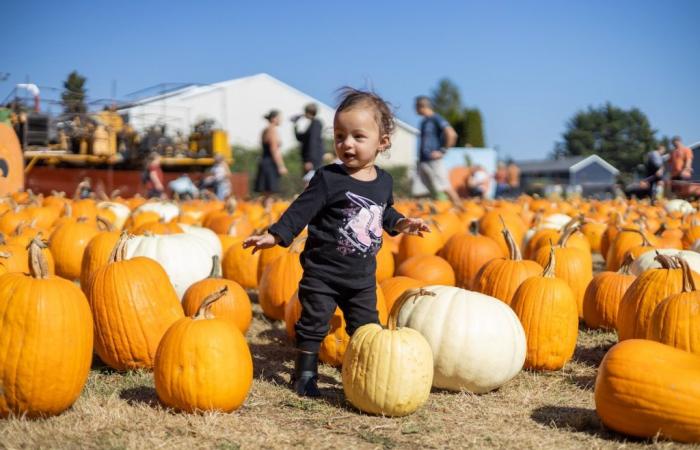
[
  {"x": 574, "y": 266},
  {"x": 387, "y": 371},
  {"x": 468, "y": 252},
  {"x": 604, "y": 293},
  {"x": 133, "y": 304},
  {"x": 491, "y": 224},
  {"x": 625, "y": 240},
  {"x": 46, "y": 341},
  {"x": 267, "y": 256},
  {"x": 644, "y": 294},
  {"x": 594, "y": 233},
  {"x": 280, "y": 280},
  {"x": 546, "y": 307},
  {"x": 430, "y": 269},
  {"x": 647, "y": 389},
  {"x": 638, "y": 250},
  {"x": 159, "y": 227},
  {"x": 67, "y": 245},
  {"x": 203, "y": 363},
  {"x": 97, "y": 252},
  {"x": 335, "y": 343},
  {"x": 501, "y": 277},
  {"x": 234, "y": 305},
  {"x": 139, "y": 218},
  {"x": 15, "y": 258},
  {"x": 676, "y": 320},
  {"x": 241, "y": 265},
  {"x": 394, "y": 287},
  {"x": 428, "y": 244}
]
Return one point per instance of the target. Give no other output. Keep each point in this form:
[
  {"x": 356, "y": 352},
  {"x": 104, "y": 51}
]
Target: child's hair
[{"x": 350, "y": 98}]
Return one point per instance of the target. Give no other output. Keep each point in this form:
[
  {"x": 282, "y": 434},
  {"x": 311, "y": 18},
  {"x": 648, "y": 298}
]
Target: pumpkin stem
[
  {"x": 231, "y": 205},
  {"x": 82, "y": 219},
  {"x": 568, "y": 231},
  {"x": 298, "y": 245},
  {"x": 661, "y": 230},
  {"x": 5, "y": 255},
  {"x": 203, "y": 311},
  {"x": 68, "y": 210},
  {"x": 666, "y": 261},
  {"x": 115, "y": 193},
  {"x": 688, "y": 281},
  {"x": 3, "y": 240},
  {"x": 232, "y": 228},
  {"x": 215, "y": 267},
  {"x": 38, "y": 267},
  {"x": 549, "y": 268},
  {"x": 119, "y": 250},
  {"x": 626, "y": 264},
  {"x": 398, "y": 304},
  {"x": 474, "y": 227},
  {"x": 105, "y": 224},
  {"x": 513, "y": 249}
]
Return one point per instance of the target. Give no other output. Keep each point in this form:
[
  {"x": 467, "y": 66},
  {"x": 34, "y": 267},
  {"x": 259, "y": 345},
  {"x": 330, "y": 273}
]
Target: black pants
[{"x": 318, "y": 301}]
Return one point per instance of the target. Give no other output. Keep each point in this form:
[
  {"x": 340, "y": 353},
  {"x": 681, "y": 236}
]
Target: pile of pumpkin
[{"x": 494, "y": 287}]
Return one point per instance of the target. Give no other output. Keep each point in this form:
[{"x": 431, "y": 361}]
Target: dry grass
[{"x": 535, "y": 410}]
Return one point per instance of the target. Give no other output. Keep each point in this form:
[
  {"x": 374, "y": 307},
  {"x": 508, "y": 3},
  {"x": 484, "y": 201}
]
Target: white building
[{"x": 238, "y": 106}]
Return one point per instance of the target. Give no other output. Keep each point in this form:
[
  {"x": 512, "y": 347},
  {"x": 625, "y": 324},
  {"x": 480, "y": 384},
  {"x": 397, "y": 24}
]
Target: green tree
[
  {"x": 446, "y": 99},
  {"x": 621, "y": 137},
  {"x": 475, "y": 129},
  {"x": 73, "y": 95}
]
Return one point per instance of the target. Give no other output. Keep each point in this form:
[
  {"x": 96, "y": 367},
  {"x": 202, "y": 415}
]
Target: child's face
[{"x": 357, "y": 139}]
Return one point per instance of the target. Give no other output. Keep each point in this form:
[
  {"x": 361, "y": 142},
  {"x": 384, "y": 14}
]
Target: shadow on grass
[
  {"x": 591, "y": 356},
  {"x": 585, "y": 382},
  {"x": 140, "y": 395},
  {"x": 582, "y": 420}
]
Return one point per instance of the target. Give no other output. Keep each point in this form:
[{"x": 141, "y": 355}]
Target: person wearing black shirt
[
  {"x": 310, "y": 138},
  {"x": 346, "y": 206}
]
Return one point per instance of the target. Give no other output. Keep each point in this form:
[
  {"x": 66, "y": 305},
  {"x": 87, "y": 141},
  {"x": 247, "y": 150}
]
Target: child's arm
[
  {"x": 295, "y": 218},
  {"x": 394, "y": 222}
]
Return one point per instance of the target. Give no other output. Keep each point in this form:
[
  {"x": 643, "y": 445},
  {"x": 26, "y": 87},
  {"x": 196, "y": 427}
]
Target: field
[{"x": 535, "y": 410}]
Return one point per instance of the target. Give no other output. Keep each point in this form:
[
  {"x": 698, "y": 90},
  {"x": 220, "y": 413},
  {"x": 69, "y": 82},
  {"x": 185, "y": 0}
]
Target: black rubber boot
[{"x": 305, "y": 377}]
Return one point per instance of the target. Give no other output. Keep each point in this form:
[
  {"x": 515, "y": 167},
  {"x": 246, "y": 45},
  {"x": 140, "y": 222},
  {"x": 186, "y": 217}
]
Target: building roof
[
  {"x": 194, "y": 90},
  {"x": 563, "y": 165}
]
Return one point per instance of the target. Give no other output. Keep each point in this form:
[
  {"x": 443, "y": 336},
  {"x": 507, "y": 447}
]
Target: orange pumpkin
[
  {"x": 280, "y": 280},
  {"x": 68, "y": 243},
  {"x": 467, "y": 253},
  {"x": 603, "y": 295},
  {"x": 393, "y": 287},
  {"x": 234, "y": 304},
  {"x": 430, "y": 269},
  {"x": 241, "y": 265}
]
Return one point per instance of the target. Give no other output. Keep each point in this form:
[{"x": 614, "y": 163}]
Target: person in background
[
  {"x": 501, "y": 177},
  {"x": 309, "y": 134},
  {"x": 271, "y": 166},
  {"x": 681, "y": 161},
  {"x": 479, "y": 182},
  {"x": 84, "y": 189},
  {"x": 513, "y": 178},
  {"x": 436, "y": 136},
  {"x": 219, "y": 178},
  {"x": 153, "y": 177},
  {"x": 183, "y": 187},
  {"x": 654, "y": 164}
]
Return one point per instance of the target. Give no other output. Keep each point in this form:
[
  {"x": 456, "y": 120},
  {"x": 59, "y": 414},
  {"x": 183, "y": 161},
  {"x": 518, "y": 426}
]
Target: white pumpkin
[
  {"x": 206, "y": 234},
  {"x": 166, "y": 210},
  {"x": 553, "y": 221},
  {"x": 121, "y": 212},
  {"x": 478, "y": 342},
  {"x": 646, "y": 260},
  {"x": 678, "y": 205},
  {"x": 185, "y": 257}
]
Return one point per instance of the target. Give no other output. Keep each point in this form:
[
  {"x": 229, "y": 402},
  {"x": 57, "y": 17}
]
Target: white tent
[{"x": 238, "y": 106}]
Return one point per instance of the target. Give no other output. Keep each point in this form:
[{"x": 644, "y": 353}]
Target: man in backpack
[{"x": 436, "y": 136}]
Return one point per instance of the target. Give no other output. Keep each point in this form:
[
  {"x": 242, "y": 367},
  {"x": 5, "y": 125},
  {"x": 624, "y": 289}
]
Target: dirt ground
[{"x": 534, "y": 410}]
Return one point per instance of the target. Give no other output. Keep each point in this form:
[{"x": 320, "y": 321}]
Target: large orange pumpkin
[
  {"x": 203, "y": 363},
  {"x": 430, "y": 269},
  {"x": 604, "y": 293},
  {"x": 133, "y": 304},
  {"x": 546, "y": 307},
  {"x": 647, "y": 389},
  {"x": 46, "y": 341},
  {"x": 280, "y": 280},
  {"x": 393, "y": 287},
  {"x": 68, "y": 243},
  {"x": 241, "y": 265}
]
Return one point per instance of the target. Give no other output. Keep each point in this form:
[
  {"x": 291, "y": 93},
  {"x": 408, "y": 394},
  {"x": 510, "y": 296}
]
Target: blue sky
[{"x": 529, "y": 66}]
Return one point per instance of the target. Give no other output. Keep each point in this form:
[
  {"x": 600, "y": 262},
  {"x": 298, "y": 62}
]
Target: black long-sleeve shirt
[
  {"x": 345, "y": 218},
  {"x": 312, "y": 143}
]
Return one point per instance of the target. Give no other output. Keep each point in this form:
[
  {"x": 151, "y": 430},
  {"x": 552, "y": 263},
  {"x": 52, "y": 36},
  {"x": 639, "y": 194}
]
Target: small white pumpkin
[
  {"x": 646, "y": 260},
  {"x": 185, "y": 257},
  {"x": 679, "y": 205},
  {"x": 166, "y": 210},
  {"x": 478, "y": 342},
  {"x": 387, "y": 371},
  {"x": 120, "y": 211},
  {"x": 553, "y": 221}
]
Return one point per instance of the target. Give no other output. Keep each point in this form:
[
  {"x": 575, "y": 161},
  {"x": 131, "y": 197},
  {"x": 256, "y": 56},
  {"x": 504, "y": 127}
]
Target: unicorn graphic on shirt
[{"x": 362, "y": 227}]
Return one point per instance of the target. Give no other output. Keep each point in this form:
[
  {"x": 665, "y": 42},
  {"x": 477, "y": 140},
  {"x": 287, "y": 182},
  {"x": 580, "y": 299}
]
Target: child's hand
[
  {"x": 411, "y": 225},
  {"x": 260, "y": 242}
]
